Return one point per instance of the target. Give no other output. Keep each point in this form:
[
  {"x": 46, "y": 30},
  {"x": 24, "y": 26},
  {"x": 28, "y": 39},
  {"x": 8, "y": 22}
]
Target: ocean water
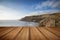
[{"x": 17, "y": 23}]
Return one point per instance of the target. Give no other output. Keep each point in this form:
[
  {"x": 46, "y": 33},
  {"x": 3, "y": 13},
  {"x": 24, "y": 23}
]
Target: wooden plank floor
[{"x": 29, "y": 33}]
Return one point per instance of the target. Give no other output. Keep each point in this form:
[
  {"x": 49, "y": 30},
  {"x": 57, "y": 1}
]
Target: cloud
[
  {"x": 43, "y": 12},
  {"x": 46, "y": 7},
  {"x": 45, "y": 4},
  {"x": 9, "y": 14}
]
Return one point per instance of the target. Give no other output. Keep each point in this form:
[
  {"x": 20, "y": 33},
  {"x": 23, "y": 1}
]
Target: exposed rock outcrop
[{"x": 46, "y": 20}]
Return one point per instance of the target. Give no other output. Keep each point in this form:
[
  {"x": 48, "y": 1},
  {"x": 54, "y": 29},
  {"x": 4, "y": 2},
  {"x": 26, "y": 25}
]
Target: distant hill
[{"x": 48, "y": 20}]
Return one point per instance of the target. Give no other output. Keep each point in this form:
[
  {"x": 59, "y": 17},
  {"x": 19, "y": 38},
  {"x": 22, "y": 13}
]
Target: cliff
[{"x": 48, "y": 20}]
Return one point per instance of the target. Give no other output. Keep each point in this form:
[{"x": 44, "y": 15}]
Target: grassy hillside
[{"x": 48, "y": 20}]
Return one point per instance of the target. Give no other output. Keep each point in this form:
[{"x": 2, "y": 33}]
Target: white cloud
[
  {"x": 57, "y": 4},
  {"x": 43, "y": 12},
  {"x": 52, "y": 4},
  {"x": 9, "y": 14}
]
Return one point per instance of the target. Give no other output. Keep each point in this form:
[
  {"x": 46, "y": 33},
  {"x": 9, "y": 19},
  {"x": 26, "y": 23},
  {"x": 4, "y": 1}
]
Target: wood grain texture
[{"x": 29, "y": 33}]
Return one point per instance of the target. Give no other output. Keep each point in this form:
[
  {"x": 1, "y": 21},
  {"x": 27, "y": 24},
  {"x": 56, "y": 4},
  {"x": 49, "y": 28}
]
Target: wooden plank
[
  {"x": 11, "y": 34},
  {"x": 36, "y": 35},
  {"x": 48, "y": 34},
  {"x": 54, "y": 31},
  {"x": 4, "y": 32},
  {"x": 29, "y": 33},
  {"x": 56, "y": 28},
  {"x": 24, "y": 34},
  {"x": 3, "y": 29}
]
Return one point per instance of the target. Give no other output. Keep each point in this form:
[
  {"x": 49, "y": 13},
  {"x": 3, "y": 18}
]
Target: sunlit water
[{"x": 17, "y": 23}]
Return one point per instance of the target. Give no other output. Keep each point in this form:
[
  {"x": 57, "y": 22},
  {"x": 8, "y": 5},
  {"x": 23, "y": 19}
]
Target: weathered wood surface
[{"x": 29, "y": 33}]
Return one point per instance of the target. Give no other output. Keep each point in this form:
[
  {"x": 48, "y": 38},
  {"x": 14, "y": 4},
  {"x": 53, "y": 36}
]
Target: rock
[{"x": 45, "y": 20}]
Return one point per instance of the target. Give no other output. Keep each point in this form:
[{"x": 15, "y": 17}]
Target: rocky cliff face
[{"x": 46, "y": 20}]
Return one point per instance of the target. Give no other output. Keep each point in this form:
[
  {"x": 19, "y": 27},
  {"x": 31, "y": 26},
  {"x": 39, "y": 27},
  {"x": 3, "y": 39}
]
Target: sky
[{"x": 17, "y": 9}]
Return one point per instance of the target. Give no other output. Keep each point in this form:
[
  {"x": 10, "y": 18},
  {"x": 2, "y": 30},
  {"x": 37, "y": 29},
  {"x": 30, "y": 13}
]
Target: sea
[{"x": 17, "y": 23}]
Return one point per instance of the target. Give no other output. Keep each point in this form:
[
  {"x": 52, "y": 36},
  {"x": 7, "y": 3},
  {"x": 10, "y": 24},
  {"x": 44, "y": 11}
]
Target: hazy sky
[{"x": 16, "y": 9}]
